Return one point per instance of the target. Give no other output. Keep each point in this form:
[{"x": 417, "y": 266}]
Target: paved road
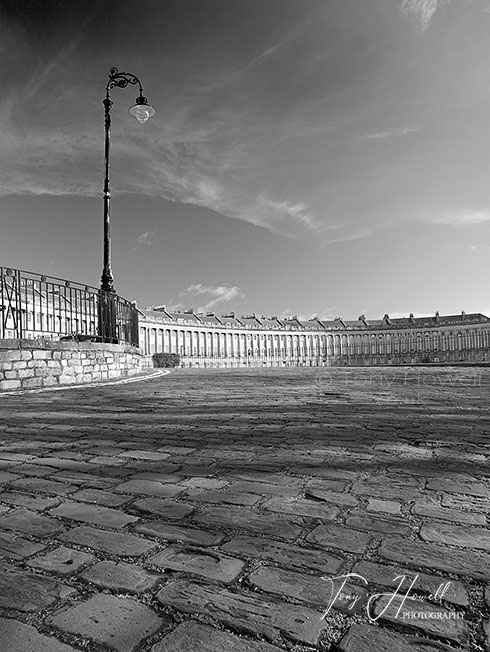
[{"x": 248, "y": 510}]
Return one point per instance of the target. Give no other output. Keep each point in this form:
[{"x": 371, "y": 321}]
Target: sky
[{"x": 307, "y": 157}]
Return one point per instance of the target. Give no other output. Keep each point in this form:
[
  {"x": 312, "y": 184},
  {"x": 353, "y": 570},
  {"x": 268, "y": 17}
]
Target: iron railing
[{"x": 39, "y": 306}]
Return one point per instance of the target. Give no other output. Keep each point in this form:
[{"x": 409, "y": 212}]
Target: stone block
[
  {"x": 246, "y": 519},
  {"x": 32, "y": 383},
  {"x": 245, "y": 610},
  {"x": 437, "y": 557},
  {"x": 114, "y": 543},
  {"x": 456, "y": 535},
  {"x": 193, "y": 536},
  {"x": 192, "y": 636},
  {"x": 9, "y": 384},
  {"x": 368, "y": 638},
  {"x": 317, "y": 591},
  {"x": 16, "y": 547},
  {"x": 41, "y": 355},
  {"x": 34, "y": 364},
  {"x": 104, "y": 619},
  {"x": 61, "y": 561},
  {"x": 26, "y": 373},
  {"x": 93, "y": 514},
  {"x": 120, "y": 577},
  {"x": 27, "y": 592},
  {"x": 337, "y": 536},
  {"x": 301, "y": 507},
  {"x": 208, "y": 563},
  {"x": 428, "y": 618},
  {"x": 29, "y": 522},
  {"x": 19, "y": 637},
  {"x": 283, "y": 554},
  {"x": 160, "y": 508}
]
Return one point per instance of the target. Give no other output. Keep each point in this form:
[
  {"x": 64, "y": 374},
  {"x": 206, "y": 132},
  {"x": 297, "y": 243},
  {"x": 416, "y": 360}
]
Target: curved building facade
[{"x": 209, "y": 340}]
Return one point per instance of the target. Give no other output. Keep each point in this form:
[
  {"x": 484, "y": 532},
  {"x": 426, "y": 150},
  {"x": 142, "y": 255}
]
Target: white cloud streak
[
  {"x": 217, "y": 294},
  {"x": 462, "y": 219},
  {"x": 384, "y": 135},
  {"x": 146, "y": 238},
  {"x": 421, "y": 12}
]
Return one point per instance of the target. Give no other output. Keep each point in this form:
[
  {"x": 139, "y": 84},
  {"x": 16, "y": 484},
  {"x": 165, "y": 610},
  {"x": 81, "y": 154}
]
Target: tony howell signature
[{"x": 396, "y": 598}]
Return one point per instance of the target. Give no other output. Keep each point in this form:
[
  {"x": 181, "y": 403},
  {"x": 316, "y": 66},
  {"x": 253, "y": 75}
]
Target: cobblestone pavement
[{"x": 223, "y": 510}]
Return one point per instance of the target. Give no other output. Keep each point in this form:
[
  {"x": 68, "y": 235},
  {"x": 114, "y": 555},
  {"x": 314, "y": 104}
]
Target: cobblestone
[
  {"x": 283, "y": 554},
  {"x": 428, "y": 618},
  {"x": 455, "y": 535},
  {"x": 30, "y": 522},
  {"x": 472, "y": 564},
  {"x": 301, "y": 508},
  {"x": 13, "y": 546},
  {"x": 62, "y": 561},
  {"x": 241, "y": 518},
  {"x": 208, "y": 563},
  {"x": 114, "y": 543},
  {"x": 19, "y": 637},
  {"x": 245, "y": 610},
  {"x": 189, "y": 535},
  {"x": 120, "y": 577},
  {"x": 308, "y": 588},
  {"x": 28, "y": 592},
  {"x": 435, "y": 585},
  {"x": 93, "y": 514},
  {"x": 159, "y": 508},
  {"x": 366, "y": 638},
  {"x": 104, "y": 619},
  {"x": 183, "y": 639},
  {"x": 336, "y": 536}
]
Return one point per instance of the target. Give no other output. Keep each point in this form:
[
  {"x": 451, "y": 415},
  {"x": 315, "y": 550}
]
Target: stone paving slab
[
  {"x": 428, "y": 618},
  {"x": 123, "y": 624},
  {"x": 207, "y": 563},
  {"x": 14, "y": 546},
  {"x": 27, "y": 592},
  {"x": 301, "y": 507},
  {"x": 120, "y": 577},
  {"x": 245, "y": 610},
  {"x": 433, "y": 556},
  {"x": 184, "y": 639},
  {"x": 191, "y": 535},
  {"x": 434, "y": 585},
  {"x": 367, "y": 638},
  {"x": 61, "y": 561},
  {"x": 240, "y": 518},
  {"x": 283, "y": 554},
  {"x": 30, "y": 522},
  {"x": 115, "y": 543},
  {"x": 161, "y": 508},
  {"x": 20, "y": 637}
]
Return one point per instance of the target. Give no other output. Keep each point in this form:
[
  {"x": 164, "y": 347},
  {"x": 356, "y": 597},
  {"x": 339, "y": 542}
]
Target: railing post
[{"x": 107, "y": 316}]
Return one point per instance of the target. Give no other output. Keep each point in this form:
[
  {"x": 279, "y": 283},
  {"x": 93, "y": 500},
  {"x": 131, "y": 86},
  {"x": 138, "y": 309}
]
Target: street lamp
[{"x": 142, "y": 111}]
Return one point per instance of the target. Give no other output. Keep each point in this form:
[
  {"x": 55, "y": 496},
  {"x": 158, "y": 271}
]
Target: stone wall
[{"x": 26, "y": 364}]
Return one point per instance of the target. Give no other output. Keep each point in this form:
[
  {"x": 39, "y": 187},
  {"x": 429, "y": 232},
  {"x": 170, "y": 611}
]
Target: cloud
[
  {"x": 421, "y": 12},
  {"x": 399, "y": 131},
  {"x": 217, "y": 294},
  {"x": 462, "y": 219},
  {"x": 146, "y": 238}
]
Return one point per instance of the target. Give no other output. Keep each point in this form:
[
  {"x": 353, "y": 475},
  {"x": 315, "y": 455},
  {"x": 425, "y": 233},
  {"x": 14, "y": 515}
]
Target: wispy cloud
[
  {"x": 146, "y": 238},
  {"x": 390, "y": 133},
  {"x": 217, "y": 294},
  {"x": 461, "y": 219},
  {"x": 421, "y": 12}
]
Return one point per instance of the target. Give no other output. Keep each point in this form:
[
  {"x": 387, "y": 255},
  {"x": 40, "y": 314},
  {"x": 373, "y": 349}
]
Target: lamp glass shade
[{"x": 142, "y": 112}]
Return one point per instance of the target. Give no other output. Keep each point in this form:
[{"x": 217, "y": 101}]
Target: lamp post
[{"x": 142, "y": 111}]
